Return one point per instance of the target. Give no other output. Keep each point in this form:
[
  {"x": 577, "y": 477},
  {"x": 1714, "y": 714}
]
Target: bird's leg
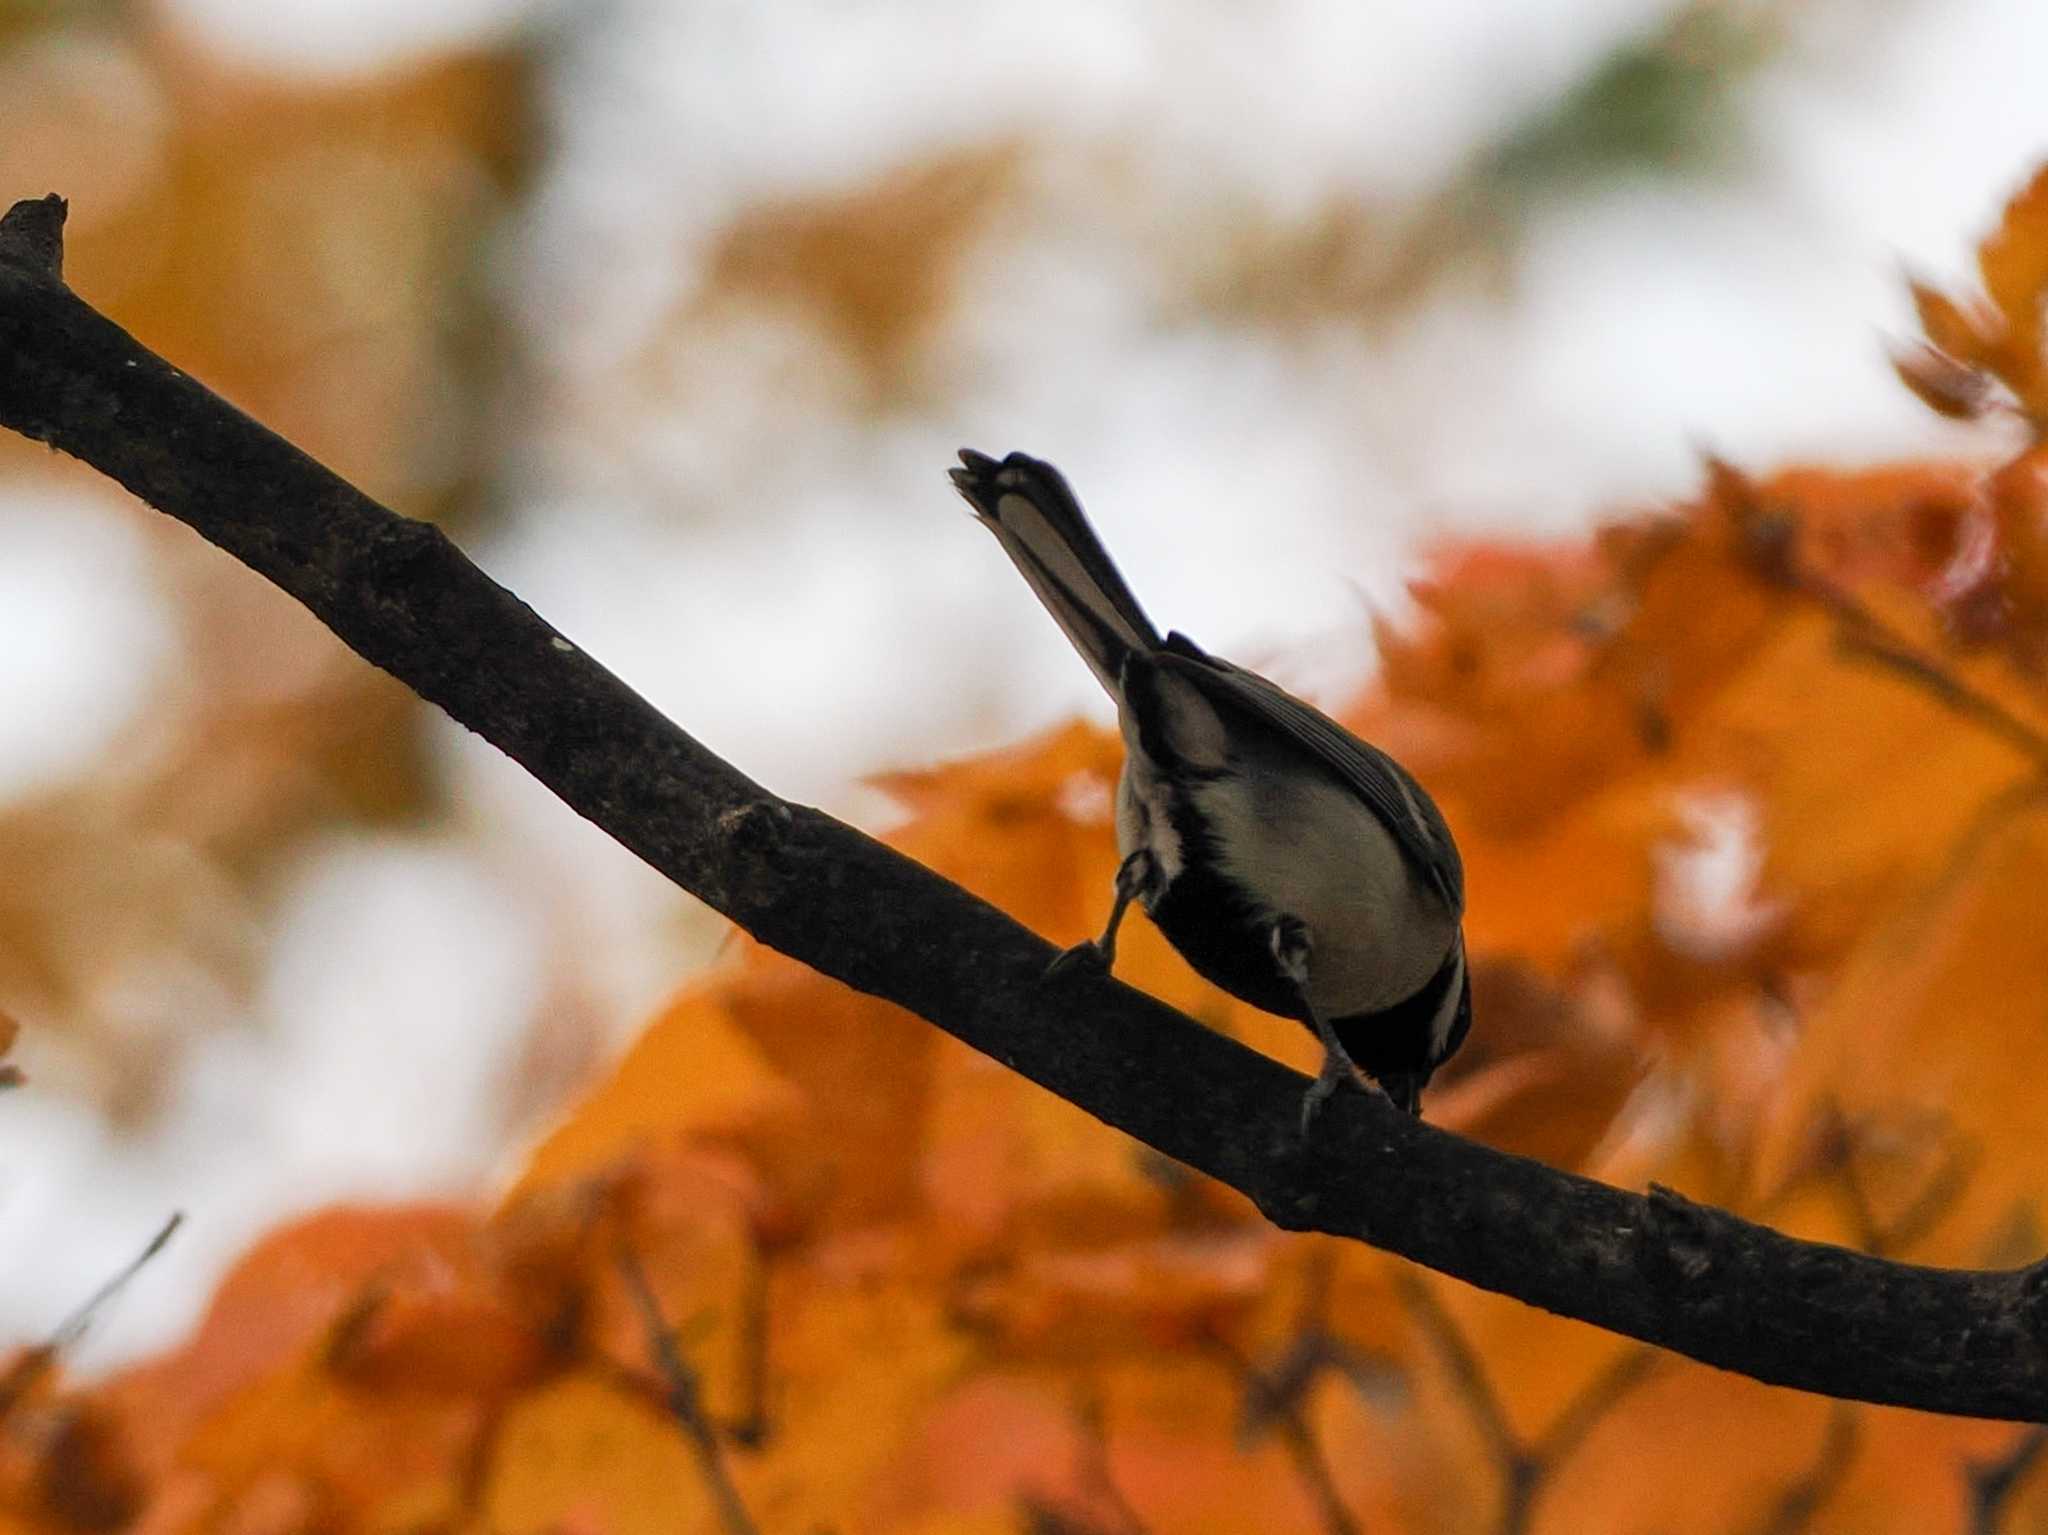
[
  {"x": 1292, "y": 944},
  {"x": 1134, "y": 876}
]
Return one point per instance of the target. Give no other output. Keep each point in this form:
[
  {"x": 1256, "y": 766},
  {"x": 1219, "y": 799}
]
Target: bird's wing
[{"x": 1395, "y": 797}]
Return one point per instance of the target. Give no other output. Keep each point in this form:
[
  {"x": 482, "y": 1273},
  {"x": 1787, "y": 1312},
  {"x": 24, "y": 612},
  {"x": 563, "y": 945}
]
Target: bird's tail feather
[{"x": 1039, "y": 523}]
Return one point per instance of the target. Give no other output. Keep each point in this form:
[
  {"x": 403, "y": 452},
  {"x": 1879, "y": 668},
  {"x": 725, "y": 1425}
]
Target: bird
[{"x": 1294, "y": 865}]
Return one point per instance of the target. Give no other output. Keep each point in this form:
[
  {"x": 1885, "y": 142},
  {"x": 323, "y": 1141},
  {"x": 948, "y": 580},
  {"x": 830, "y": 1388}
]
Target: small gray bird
[{"x": 1289, "y": 862}]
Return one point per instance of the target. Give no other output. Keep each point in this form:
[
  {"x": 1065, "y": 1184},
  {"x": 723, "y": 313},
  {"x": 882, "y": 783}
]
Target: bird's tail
[{"x": 1035, "y": 517}]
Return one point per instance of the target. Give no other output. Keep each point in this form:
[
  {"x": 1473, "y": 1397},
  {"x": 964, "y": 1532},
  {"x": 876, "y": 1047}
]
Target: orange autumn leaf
[
  {"x": 692, "y": 1071},
  {"x": 866, "y": 1345},
  {"x": 441, "y": 1337},
  {"x": 1134, "y": 1298},
  {"x": 1548, "y": 1078},
  {"x": 1008, "y": 1167},
  {"x": 333, "y": 1455},
  {"x": 276, "y": 1305},
  {"x": 1944, "y": 385},
  {"x": 1971, "y": 343},
  {"x": 1175, "y": 1451},
  {"x": 983, "y": 1451},
  {"x": 1936, "y": 1018},
  {"x": 2013, "y": 261},
  {"x": 1863, "y": 779},
  {"x": 1690, "y": 1452},
  {"x": 86, "y": 1477},
  {"x": 1020, "y": 827},
  {"x": 1902, "y": 1473},
  {"x": 1960, "y": 331},
  {"x": 583, "y": 1454},
  {"x": 2009, "y": 601}
]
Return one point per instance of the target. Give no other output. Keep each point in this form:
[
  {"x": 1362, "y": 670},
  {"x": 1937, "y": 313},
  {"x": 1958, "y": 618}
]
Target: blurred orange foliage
[
  {"x": 344, "y": 221},
  {"x": 1752, "y": 795}
]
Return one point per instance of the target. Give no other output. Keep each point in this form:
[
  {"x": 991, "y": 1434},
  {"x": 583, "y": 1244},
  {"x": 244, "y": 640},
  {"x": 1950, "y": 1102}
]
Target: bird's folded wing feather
[{"x": 1399, "y": 801}]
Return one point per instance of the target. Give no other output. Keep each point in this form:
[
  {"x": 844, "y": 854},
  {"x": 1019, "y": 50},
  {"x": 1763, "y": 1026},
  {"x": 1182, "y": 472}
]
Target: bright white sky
[
  {"x": 1253, "y": 482},
  {"x": 793, "y": 581}
]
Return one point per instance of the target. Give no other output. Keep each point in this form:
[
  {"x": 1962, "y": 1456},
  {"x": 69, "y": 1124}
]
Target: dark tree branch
[{"x": 1654, "y": 1267}]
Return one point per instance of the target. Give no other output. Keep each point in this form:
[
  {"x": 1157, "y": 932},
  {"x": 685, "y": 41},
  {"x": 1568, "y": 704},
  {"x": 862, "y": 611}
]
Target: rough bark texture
[{"x": 1687, "y": 1277}]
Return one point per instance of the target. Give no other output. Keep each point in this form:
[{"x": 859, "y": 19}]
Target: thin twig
[
  {"x": 1987, "y": 819},
  {"x": 751, "y": 1428},
  {"x": 1862, "y": 1214},
  {"x": 1797, "y": 1505},
  {"x": 1992, "y": 1483},
  {"x": 1524, "y": 1468},
  {"x": 683, "y": 1396},
  {"x": 1870, "y": 636},
  {"x": 73, "y": 1327},
  {"x": 1290, "y": 1375},
  {"x": 1042, "y": 1518},
  {"x": 1593, "y": 1401},
  {"x": 1845, "y": 1146},
  {"x": 1095, "y": 1474},
  {"x": 33, "y": 1365},
  {"x": 1937, "y": 1197},
  {"x": 1521, "y": 1474},
  {"x": 1959, "y": 695},
  {"x": 1313, "y": 1348},
  {"x": 1266, "y": 1405},
  {"x": 10, "y": 1076},
  {"x": 1468, "y": 1375}
]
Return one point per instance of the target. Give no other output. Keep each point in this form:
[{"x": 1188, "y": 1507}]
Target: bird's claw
[
  {"x": 1312, "y": 1101},
  {"x": 1336, "y": 1072},
  {"x": 1084, "y": 957}
]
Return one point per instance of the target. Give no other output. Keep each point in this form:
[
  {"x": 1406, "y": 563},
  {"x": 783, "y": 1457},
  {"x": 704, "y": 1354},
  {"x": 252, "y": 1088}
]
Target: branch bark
[{"x": 1656, "y": 1267}]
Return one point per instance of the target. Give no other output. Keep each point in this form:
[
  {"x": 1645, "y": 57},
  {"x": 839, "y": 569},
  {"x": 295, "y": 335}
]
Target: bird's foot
[
  {"x": 1087, "y": 957},
  {"x": 1338, "y": 1071}
]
